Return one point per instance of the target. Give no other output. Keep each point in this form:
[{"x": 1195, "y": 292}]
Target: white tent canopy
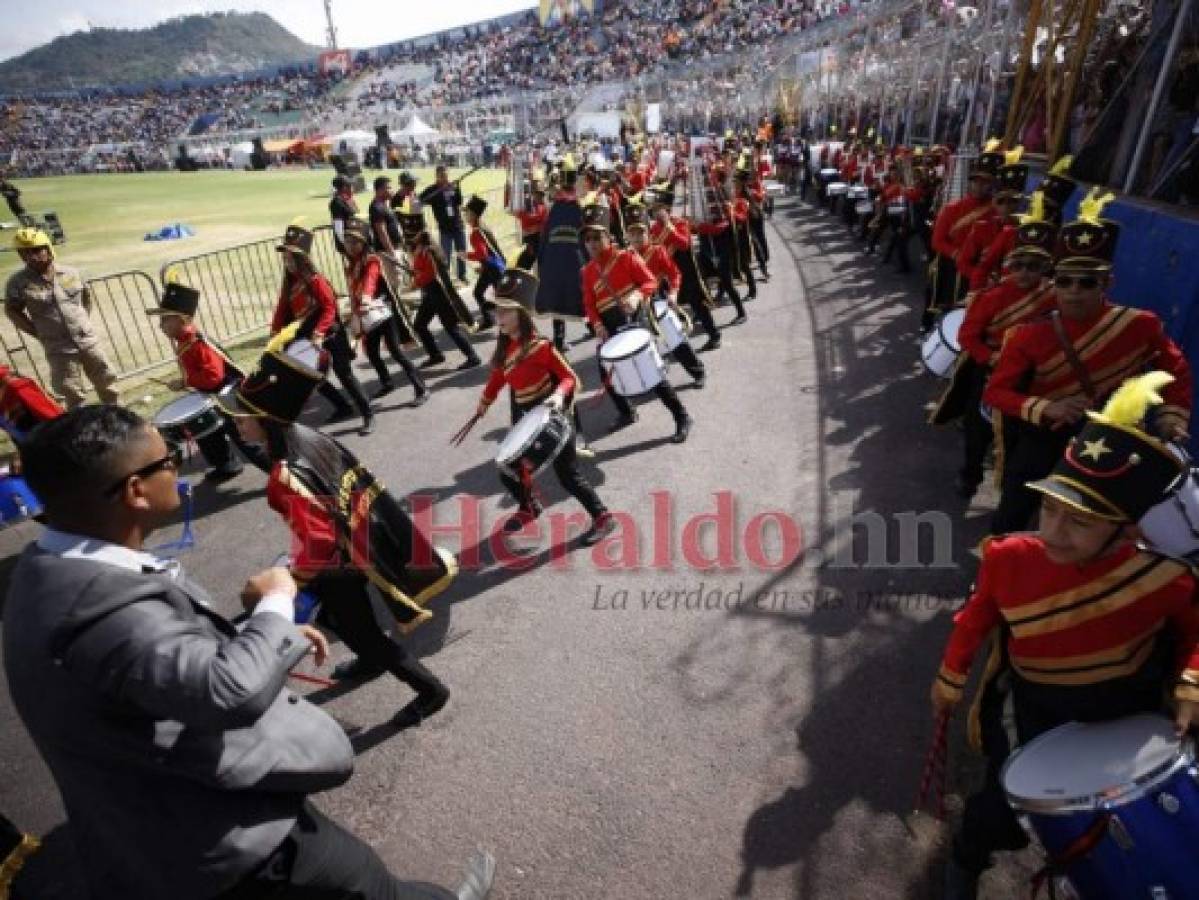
[
  {"x": 354, "y": 140},
  {"x": 418, "y": 131}
]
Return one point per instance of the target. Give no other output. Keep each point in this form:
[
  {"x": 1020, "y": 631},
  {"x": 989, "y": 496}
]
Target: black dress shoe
[
  {"x": 355, "y": 669},
  {"x": 421, "y": 398},
  {"x": 624, "y": 421},
  {"x": 521, "y": 518},
  {"x": 602, "y": 526},
  {"x": 384, "y": 389},
  {"x": 424, "y": 706},
  {"x": 700, "y": 380},
  {"x": 368, "y": 425},
  {"x": 713, "y": 344},
  {"x": 470, "y": 363},
  {"x": 431, "y": 362},
  {"x": 740, "y": 320},
  {"x": 681, "y": 430}
]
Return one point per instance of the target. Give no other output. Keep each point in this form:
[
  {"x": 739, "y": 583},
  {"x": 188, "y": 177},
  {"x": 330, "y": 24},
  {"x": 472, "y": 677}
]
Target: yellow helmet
[{"x": 31, "y": 239}]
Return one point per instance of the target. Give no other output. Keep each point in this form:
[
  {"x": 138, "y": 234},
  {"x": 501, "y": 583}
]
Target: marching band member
[
  {"x": 658, "y": 260},
  {"x": 1024, "y": 295},
  {"x": 537, "y": 374},
  {"x": 1009, "y": 191},
  {"x": 615, "y": 285},
  {"x": 675, "y": 236},
  {"x": 739, "y": 213},
  {"x": 532, "y": 220},
  {"x": 484, "y": 249},
  {"x": 755, "y": 194},
  {"x": 439, "y": 299},
  {"x": 369, "y": 287},
  {"x": 209, "y": 370},
  {"x": 348, "y": 532},
  {"x": 952, "y": 225},
  {"x": 560, "y": 257},
  {"x": 1050, "y": 372},
  {"x": 307, "y": 296},
  {"x": 1088, "y": 627}
]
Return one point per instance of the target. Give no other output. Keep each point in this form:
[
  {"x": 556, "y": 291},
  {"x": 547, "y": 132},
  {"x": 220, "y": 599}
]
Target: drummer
[
  {"x": 369, "y": 285},
  {"x": 675, "y": 236},
  {"x": 616, "y": 284},
  {"x": 1093, "y": 627},
  {"x": 348, "y": 534},
  {"x": 537, "y": 374},
  {"x": 209, "y": 370},
  {"x": 657, "y": 259}
]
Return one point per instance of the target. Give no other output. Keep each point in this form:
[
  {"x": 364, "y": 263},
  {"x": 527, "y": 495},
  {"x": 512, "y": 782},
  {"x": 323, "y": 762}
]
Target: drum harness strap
[
  {"x": 1058, "y": 865},
  {"x": 1080, "y": 372}
]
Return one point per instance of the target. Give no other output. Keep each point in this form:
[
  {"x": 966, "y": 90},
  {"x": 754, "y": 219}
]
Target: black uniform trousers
[
  {"x": 943, "y": 292},
  {"x": 489, "y": 276},
  {"x": 1030, "y": 453},
  {"x": 694, "y": 293},
  {"x": 745, "y": 258},
  {"x": 720, "y": 255},
  {"x": 898, "y": 243},
  {"x": 320, "y": 860},
  {"x": 988, "y": 823},
  {"x": 757, "y": 233},
  {"x": 566, "y": 468},
  {"x": 977, "y": 432},
  {"x": 388, "y": 332},
  {"x": 615, "y": 320},
  {"x": 435, "y": 304},
  {"x": 341, "y": 358},
  {"x": 528, "y": 253},
  {"x": 349, "y": 611}
]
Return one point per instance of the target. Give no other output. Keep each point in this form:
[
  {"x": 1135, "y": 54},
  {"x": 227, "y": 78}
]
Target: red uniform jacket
[
  {"x": 424, "y": 269},
  {"x": 480, "y": 250},
  {"x": 621, "y": 271},
  {"x": 533, "y": 370},
  {"x": 23, "y": 403},
  {"x": 675, "y": 237},
  {"x": 204, "y": 368},
  {"x": 309, "y": 518},
  {"x": 1113, "y": 346},
  {"x": 364, "y": 280},
  {"x": 532, "y": 219},
  {"x": 992, "y": 259},
  {"x": 659, "y": 261},
  {"x": 1073, "y": 624},
  {"x": 982, "y": 234},
  {"x": 740, "y": 210},
  {"x": 303, "y": 299},
  {"x": 953, "y": 224},
  {"x": 996, "y": 310}
]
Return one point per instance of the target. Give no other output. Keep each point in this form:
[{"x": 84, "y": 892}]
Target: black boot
[{"x": 424, "y": 706}]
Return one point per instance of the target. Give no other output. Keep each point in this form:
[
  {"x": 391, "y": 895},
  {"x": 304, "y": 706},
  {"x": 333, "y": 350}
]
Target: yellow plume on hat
[
  {"x": 284, "y": 337},
  {"x": 1036, "y": 209},
  {"x": 1013, "y": 156},
  {"x": 568, "y": 162},
  {"x": 170, "y": 275},
  {"x": 1128, "y": 405},
  {"x": 300, "y": 222},
  {"x": 589, "y": 199},
  {"x": 992, "y": 145},
  {"x": 1093, "y": 205},
  {"x": 1062, "y": 166}
]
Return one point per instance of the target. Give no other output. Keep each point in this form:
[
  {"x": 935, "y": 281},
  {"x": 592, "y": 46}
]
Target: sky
[{"x": 360, "y": 23}]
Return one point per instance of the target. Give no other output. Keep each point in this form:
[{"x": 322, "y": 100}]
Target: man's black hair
[{"x": 76, "y": 456}]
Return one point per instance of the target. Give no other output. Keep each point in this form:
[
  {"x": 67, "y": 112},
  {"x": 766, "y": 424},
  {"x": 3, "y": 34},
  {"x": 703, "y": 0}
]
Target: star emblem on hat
[
  {"x": 1095, "y": 449},
  {"x": 1084, "y": 239}
]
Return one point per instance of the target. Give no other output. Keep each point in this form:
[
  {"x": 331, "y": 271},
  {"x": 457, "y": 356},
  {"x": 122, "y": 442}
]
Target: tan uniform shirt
[{"x": 58, "y": 308}]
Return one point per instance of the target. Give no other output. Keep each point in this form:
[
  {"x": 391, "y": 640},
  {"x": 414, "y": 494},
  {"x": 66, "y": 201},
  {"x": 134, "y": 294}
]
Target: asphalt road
[{"x": 638, "y": 725}]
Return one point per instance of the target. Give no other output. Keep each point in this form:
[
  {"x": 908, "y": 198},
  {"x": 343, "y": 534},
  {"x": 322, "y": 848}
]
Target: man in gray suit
[{"x": 183, "y": 761}]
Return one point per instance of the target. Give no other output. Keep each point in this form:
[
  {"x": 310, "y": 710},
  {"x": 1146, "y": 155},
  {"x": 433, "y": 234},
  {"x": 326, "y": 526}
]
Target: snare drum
[
  {"x": 632, "y": 363},
  {"x": 1129, "y": 784},
  {"x": 837, "y": 189},
  {"x": 302, "y": 352},
  {"x": 17, "y": 501},
  {"x": 670, "y": 326},
  {"x": 858, "y": 192},
  {"x": 534, "y": 442},
  {"x": 374, "y": 314},
  {"x": 774, "y": 188},
  {"x": 827, "y": 175},
  {"x": 863, "y": 207},
  {"x": 897, "y": 210},
  {"x": 1172, "y": 526},
  {"x": 941, "y": 347},
  {"x": 190, "y": 417}
]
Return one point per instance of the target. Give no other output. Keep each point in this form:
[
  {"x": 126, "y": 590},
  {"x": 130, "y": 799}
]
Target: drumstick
[
  {"x": 461, "y": 434},
  {"x": 312, "y": 679}
]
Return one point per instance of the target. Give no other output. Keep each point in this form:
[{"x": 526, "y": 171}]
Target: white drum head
[
  {"x": 1080, "y": 764},
  {"x": 305, "y": 353},
  {"x": 522, "y": 433},
  {"x": 626, "y": 343},
  {"x": 182, "y": 409},
  {"x": 949, "y": 326}
]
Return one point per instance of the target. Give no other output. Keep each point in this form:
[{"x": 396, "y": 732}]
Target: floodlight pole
[{"x": 330, "y": 31}]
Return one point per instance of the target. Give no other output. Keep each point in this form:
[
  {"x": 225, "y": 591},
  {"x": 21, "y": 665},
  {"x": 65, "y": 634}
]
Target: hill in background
[{"x": 185, "y": 47}]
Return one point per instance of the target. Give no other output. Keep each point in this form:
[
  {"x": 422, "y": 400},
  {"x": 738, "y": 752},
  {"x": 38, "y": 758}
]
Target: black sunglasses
[
  {"x": 171, "y": 462},
  {"x": 1086, "y": 282}
]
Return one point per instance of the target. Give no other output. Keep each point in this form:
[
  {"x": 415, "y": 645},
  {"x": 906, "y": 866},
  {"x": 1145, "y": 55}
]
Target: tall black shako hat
[
  {"x": 1113, "y": 469},
  {"x": 516, "y": 289},
  {"x": 1088, "y": 244},
  {"x": 596, "y": 217},
  {"x": 278, "y": 388},
  {"x": 177, "y": 300}
]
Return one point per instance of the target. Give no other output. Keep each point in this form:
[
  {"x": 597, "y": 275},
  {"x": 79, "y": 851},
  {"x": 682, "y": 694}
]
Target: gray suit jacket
[{"x": 181, "y": 758}]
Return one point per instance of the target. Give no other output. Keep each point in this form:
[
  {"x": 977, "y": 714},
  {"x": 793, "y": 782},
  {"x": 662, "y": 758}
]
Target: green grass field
[{"x": 107, "y": 216}]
